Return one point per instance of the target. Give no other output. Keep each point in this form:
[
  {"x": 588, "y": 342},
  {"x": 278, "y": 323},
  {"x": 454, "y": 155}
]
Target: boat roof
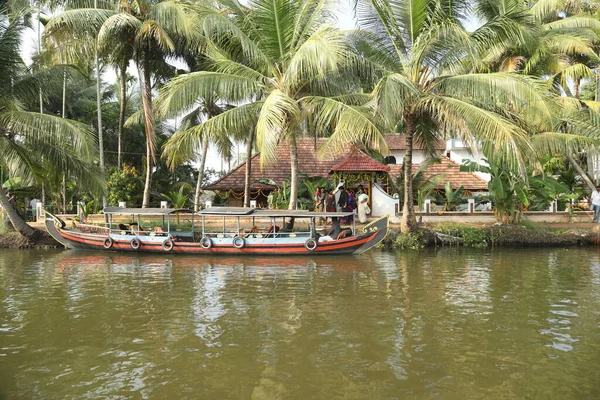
[
  {"x": 226, "y": 211},
  {"x": 144, "y": 211},
  {"x": 261, "y": 212}
]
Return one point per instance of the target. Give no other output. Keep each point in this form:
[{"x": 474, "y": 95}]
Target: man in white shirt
[{"x": 595, "y": 200}]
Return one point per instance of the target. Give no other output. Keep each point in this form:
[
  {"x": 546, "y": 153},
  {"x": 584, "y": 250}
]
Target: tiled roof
[
  {"x": 310, "y": 166},
  {"x": 279, "y": 170},
  {"x": 453, "y": 174},
  {"x": 357, "y": 161},
  {"x": 397, "y": 141}
]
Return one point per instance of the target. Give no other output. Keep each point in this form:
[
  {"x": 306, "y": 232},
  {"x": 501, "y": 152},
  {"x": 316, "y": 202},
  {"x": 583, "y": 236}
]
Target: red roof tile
[
  {"x": 453, "y": 174},
  {"x": 309, "y": 165},
  {"x": 280, "y": 170},
  {"x": 357, "y": 161},
  {"x": 397, "y": 141}
]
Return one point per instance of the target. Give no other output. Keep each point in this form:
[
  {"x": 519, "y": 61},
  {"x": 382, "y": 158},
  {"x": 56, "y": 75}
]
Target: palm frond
[
  {"x": 391, "y": 95},
  {"x": 278, "y": 113},
  {"x": 322, "y": 53},
  {"x": 182, "y": 92},
  {"x": 150, "y": 34},
  {"x": 521, "y": 92},
  {"x": 274, "y": 22},
  {"x": 351, "y": 125},
  {"x": 497, "y": 133},
  {"x": 563, "y": 143}
]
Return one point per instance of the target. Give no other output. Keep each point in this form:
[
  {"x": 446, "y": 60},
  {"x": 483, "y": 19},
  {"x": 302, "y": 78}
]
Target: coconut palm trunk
[
  {"x": 201, "y": 173},
  {"x": 294, "y": 172},
  {"x": 582, "y": 173},
  {"x": 15, "y": 219},
  {"x": 99, "y": 111},
  {"x": 408, "y": 221},
  {"x": 249, "y": 145},
  {"x": 148, "y": 128},
  {"x": 122, "y": 109}
]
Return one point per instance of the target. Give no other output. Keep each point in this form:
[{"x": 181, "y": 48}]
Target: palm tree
[
  {"x": 176, "y": 154},
  {"x": 154, "y": 30},
  {"x": 557, "y": 40},
  {"x": 31, "y": 143},
  {"x": 287, "y": 71},
  {"x": 421, "y": 49}
]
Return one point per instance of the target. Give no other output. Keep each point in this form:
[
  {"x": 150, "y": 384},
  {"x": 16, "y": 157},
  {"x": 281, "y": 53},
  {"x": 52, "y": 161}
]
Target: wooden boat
[{"x": 219, "y": 230}]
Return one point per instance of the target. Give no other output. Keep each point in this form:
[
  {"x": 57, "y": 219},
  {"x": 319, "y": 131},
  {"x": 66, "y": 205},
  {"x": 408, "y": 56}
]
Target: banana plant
[
  {"x": 177, "y": 199},
  {"x": 452, "y": 197},
  {"x": 511, "y": 192},
  {"x": 86, "y": 209}
]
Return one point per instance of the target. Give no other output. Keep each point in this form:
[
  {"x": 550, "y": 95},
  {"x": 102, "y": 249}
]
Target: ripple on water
[{"x": 495, "y": 324}]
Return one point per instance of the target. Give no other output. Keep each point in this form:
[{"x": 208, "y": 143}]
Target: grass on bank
[{"x": 454, "y": 234}]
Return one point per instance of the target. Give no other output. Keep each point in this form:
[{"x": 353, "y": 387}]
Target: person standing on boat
[
  {"x": 363, "y": 206},
  {"x": 595, "y": 200}
]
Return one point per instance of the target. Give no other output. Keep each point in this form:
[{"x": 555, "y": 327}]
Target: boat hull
[{"x": 373, "y": 234}]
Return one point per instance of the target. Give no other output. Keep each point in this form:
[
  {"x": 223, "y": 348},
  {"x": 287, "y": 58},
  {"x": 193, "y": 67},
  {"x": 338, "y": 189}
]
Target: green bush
[
  {"x": 408, "y": 241},
  {"x": 470, "y": 236},
  {"x": 125, "y": 184}
]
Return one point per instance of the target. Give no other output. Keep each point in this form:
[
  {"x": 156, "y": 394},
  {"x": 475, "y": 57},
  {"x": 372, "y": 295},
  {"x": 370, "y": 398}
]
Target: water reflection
[{"x": 447, "y": 323}]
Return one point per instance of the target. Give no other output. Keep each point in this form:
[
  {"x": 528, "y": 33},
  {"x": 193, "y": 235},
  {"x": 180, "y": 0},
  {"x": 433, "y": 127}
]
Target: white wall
[
  {"x": 458, "y": 155},
  {"x": 418, "y": 156},
  {"x": 382, "y": 203}
]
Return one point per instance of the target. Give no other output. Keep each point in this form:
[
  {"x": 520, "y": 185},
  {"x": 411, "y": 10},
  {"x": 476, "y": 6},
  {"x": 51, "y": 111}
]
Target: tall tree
[
  {"x": 420, "y": 47},
  {"x": 279, "y": 61},
  {"x": 31, "y": 142},
  {"x": 153, "y": 29},
  {"x": 556, "y": 41}
]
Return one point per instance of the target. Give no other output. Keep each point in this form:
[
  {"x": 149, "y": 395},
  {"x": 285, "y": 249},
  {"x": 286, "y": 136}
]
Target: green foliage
[
  {"x": 86, "y": 208},
  {"x": 177, "y": 199},
  {"x": 453, "y": 197},
  {"x": 423, "y": 186},
  {"x": 469, "y": 236},
  {"x": 408, "y": 241},
  {"x": 511, "y": 192},
  {"x": 125, "y": 184}
]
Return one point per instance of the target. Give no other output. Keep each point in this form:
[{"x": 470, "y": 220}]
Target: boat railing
[{"x": 88, "y": 228}]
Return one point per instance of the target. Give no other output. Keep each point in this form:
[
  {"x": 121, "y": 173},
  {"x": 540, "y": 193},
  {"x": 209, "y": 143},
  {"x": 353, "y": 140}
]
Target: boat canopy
[
  {"x": 144, "y": 211},
  {"x": 260, "y": 212},
  {"x": 227, "y": 211}
]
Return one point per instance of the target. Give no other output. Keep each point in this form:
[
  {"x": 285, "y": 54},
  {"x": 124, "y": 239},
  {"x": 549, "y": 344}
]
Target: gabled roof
[
  {"x": 397, "y": 141},
  {"x": 309, "y": 165},
  {"x": 454, "y": 175},
  {"x": 279, "y": 170},
  {"x": 357, "y": 161}
]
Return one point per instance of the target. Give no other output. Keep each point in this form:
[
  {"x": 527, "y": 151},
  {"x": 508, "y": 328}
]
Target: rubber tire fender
[
  {"x": 108, "y": 243},
  {"x": 135, "y": 243},
  {"x": 167, "y": 245},
  {"x": 310, "y": 244},
  {"x": 206, "y": 243},
  {"x": 238, "y": 242}
]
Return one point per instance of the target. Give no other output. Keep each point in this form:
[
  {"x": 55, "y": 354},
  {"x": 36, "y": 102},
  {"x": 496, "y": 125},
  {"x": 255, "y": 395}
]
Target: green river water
[{"x": 447, "y": 323}]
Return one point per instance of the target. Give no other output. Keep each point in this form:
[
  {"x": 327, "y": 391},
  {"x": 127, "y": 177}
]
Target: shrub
[
  {"x": 408, "y": 241},
  {"x": 470, "y": 236},
  {"x": 125, "y": 184}
]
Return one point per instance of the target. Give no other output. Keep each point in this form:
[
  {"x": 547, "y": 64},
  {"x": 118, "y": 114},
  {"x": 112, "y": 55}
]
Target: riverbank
[
  {"x": 449, "y": 234},
  {"x": 529, "y": 235}
]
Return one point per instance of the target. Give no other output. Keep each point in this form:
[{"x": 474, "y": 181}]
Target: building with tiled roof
[
  {"x": 451, "y": 170},
  {"x": 358, "y": 161},
  {"x": 310, "y": 165},
  {"x": 398, "y": 142},
  {"x": 278, "y": 171}
]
